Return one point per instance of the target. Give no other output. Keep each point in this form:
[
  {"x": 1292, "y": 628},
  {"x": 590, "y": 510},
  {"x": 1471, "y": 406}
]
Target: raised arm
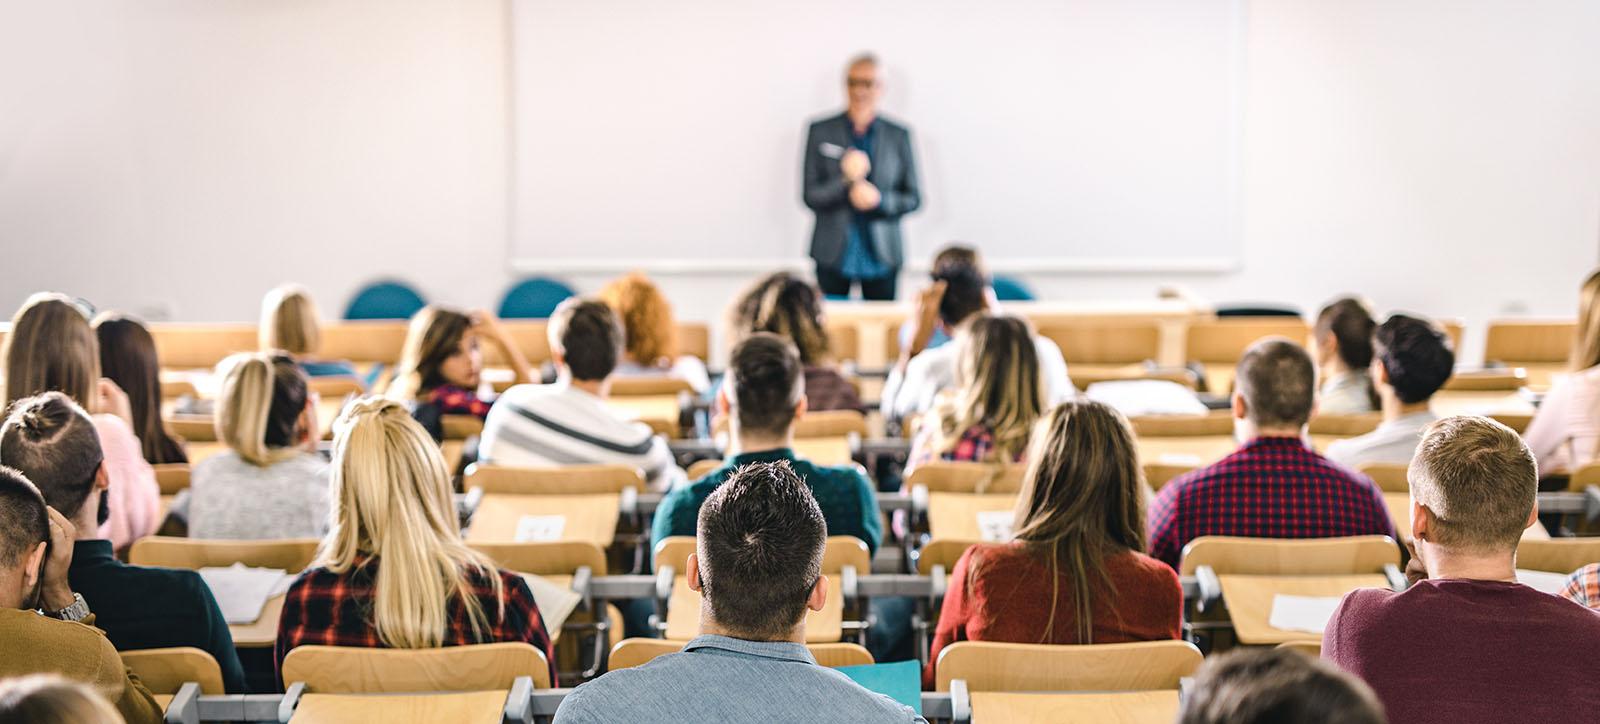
[{"x": 489, "y": 328}]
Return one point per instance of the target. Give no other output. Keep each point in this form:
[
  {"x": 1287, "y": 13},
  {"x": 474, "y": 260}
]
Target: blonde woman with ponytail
[
  {"x": 1075, "y": 571},
  {"x": 271, "y": 482},
  {"x": 988, "y": 418},
  {"x": 393, "y": 571}
]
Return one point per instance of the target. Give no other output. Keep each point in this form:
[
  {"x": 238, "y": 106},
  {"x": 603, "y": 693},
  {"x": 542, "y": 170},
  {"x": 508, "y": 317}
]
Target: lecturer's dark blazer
[{"x": 894, "y": 172}]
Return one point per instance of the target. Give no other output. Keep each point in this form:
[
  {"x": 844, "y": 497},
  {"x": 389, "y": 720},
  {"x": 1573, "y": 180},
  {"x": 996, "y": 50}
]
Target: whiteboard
[{"x": 1066, "y": 135}]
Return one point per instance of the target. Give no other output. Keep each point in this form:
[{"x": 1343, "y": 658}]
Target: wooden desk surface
[
  {"x": 824, "y": 450},
  {"x": 660, "y": 412},
  {"x": 264, "y": 632},
  {"x": 1488, "y": 402},
  {"x": 1129, "y": 707},
  {"x": 163, "y": 700},
  {"x": 954, "y": 516},
  {"x": 590, "y": 518},
  {"x": 825, "y": 626},
  {"x": 485, "y": 707},
  {"x": 1198, "y": 450},
  {"x": 1249, "y": 601}
]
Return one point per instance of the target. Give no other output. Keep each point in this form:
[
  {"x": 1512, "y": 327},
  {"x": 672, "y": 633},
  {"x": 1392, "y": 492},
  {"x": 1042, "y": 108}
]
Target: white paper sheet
[
  {"x": 1544, "y": 581},
  {"x": 1302, "y": 613},
  {"x": 1147, "y": 397},
  {"x": 538, "y": 528},
  {"x": 242, "y": 592},
  {"x": 994, "y": 526},
  {"x": 555, "y": 603}
]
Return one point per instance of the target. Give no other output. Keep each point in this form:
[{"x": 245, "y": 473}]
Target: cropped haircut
[
  {"x": 589, "y": 337},
  {"x": 1350, "y": 322},
  {"x": 258, "y": 411},
  {"x": 1480, "y": 481},
  {"x": 52, "y": 441},
  {"x": 966, "y": 289},
  {"x": 1272, "y": 686},
  {"x": 23, "y": 520},
  {"x": 766, "y": 380},
  {"x": 760, "y": 542},
  {"x": 1278, "y": 383},
  {"x": 1415, "y": 354}
]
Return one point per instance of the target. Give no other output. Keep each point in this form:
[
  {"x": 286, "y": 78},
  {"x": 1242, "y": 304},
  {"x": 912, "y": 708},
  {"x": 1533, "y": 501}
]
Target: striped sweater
[{"x": 558, "y": 424}]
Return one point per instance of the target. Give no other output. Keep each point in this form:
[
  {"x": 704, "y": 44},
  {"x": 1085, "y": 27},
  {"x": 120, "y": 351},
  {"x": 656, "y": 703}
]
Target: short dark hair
[
  {"x": 589, "y": 336},
  {"x": 765, "y": 373},
  {"x": 23, "y": 520},
  {"x": 1416, "y": 355},
  {"x": 52, "y": 441},
  {"x": 1350, "y": 322},
  {"x": 966, "y": 285},
  {"x": 761, "y": 534},
  {"x": 1480, "y": 480},
  {"x": 1278, "y": 382},
  {"x": 1277, "y": 685}
]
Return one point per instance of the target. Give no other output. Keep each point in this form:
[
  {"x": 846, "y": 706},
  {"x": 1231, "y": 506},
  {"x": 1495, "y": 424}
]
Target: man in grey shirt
[
  {"x": 758, "y": 567},
  {"x": 1411, "y": 361}
]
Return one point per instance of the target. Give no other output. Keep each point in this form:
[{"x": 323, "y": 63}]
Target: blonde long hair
[
  {"x": 1586, "y": 342},
  {"x": 392, "y": 500},
  {"x": 1000, "y": 387},
  {"x": 51, "y": 346},
  {"x": 258, "y": 411},
  {"x": 289, "y": 321}
]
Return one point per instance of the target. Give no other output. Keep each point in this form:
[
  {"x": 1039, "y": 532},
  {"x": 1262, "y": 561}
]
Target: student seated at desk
[
  {"x": 46, "y": 628},
  {"x": 758, "y": 565},
  {"x": 51, "y": 346},
  {"x": 960, "y": 293},
  {"x": 128, "y": 358},
  {"x": 393, "y": 506},
  {"x": 50, "y": 699},
  {"x": 790, "y": 307},
  {"x": 51, "y": 440},
  {"x": 762, "y": 396},
  {"x": 1466, "y": 642},
  {"x": 441, "y": 367},
  {"x": 1277, "y": 686},
  {"x": 651, "y": 333},
  {"x": 1075, "y": 572},
  {"x": 1565, "y": 432},
  {"x": 1274, "y": 485},
  {"x": 289, "y": 324},
  {"x": 989, "y": 416},
  {"x": 1343, "y": 335},
  {"x": 1411, "y": 361},
  {"x": 271, "y": 482},
  {"x": 568, "y": 422}
]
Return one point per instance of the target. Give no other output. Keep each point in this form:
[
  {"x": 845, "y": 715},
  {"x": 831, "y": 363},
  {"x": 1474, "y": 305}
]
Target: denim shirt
[
  {"x": 860, "y": 261},
  {"x": 722, "y": 679}
]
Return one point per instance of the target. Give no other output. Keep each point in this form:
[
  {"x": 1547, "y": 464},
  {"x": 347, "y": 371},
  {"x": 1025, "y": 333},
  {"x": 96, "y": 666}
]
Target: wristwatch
[{"x": 77, "y": 611}]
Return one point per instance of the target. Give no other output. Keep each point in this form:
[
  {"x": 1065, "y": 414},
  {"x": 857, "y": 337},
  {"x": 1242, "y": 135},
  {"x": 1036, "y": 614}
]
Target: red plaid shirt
[
  {"x": 453, "y": 400},
  {"x": 1583, "y": 586},
  {"x": 328, "y": 609},
  {"x": 1271, "y": 487}
]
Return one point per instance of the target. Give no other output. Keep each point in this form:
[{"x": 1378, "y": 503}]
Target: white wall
[{"x": 181, "y": 157}]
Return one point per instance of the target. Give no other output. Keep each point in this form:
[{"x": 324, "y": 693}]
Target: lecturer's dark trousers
[{"x": 834, "y": 284}]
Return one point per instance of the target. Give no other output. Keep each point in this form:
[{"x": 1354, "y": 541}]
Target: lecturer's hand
[
  {"x": 855, "y": 164},
  {"x": 864, "y": 196}
]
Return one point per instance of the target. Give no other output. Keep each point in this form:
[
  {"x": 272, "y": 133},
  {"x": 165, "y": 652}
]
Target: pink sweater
[{"x": 133, "y": 496}]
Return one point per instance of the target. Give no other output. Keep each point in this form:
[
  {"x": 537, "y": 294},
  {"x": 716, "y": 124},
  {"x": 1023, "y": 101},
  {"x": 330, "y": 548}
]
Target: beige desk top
[
  {"x": 1131, "y": 707},
  {"x": 1249, "y": 601},
  {"x": 591, "y": 518},
  {"x": 264, "y": 632},
  {"x": 954, "y": 516},
  {"x": 484, "y": 707},
  {"x": 824, "y": 450},
  {"x": 825, "y": 626},
  {"x": 659, "y": 411}
]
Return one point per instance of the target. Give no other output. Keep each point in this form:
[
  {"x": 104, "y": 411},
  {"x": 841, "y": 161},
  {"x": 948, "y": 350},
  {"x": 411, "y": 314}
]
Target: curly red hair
[{"x": 646, "y": 316}]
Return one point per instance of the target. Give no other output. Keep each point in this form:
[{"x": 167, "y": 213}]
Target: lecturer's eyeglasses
[{"x": 861, "y": 82}]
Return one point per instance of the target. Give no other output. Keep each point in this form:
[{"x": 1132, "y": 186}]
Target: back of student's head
[
  {"x": 260, "y": 405},
  {"x": 766, "y": 382},
  {"x": 761, "y": 537},
  {"x": 128, "y": 358},
  {"x": 51, "y": 347},
  {"x": 588, "y": 336},
  {"x": 24, "y": 524},
  {"x": 1586, "y": 338},
  {"x": 1348, "y": 322},
  {"x": 50, "y": 699},
  {"x": 1277, "y": 686},
  {"x": 646, "y": 315},
  {"x": 392, "y": 499},
  {"x": 289, "y": 321},
  {"x": 433, "y": 336},
  {"x": 1000, "y": 385},
  {"x": 1415, "y": 355},
  {"x": 1082, "y": 499},
  {"x": 966, "y": 289},
  {"x": 789, "y": 307},
  {"x": 1479, "y": 480},
  {"x": 52, "y": 441},
  {"x": 1278, "y": 383}
]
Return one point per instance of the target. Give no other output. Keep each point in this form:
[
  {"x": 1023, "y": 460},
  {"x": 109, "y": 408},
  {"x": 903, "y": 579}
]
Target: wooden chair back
[
  {"x": 1345, "y": 425},
  {"x": 192, "y": 346},
  {"x": 172, "y": 478},
  {"x": 830, "y": 423},
  {"x": 1158, "y": 474},
  {"x": 460, "y": 427},
  {"x": 839, "y": 551},
  {"x": 1290, "y": 557},
  {"x": 1584, "y": 477},
  {"x": 943, "y": 476},
  {"x": 844, "y": 341},
  {"x": 528, "y": 334},
  {"x": 365, "y": 341},
  {"x": 1214, "y": 425},
  {"x": 694, "y": 339},
  {"x": 939, "y": 552},
  {"x": 1104, "y": 341},
  {"x": 1528, "y": 340},
  {"x": 629, "y": 653},
  {"x": 1390, "y": 477},
  {"x": 193, "y": 428},
  {"x": 290, "y": 554},
  {"x": 546, "y": 558},
  {"x": 701, "y": 468},
  {"x": 649, "y": 386},
  {"x": 163, "y": 671},
  {"x": 335, "y": 387},
  {"x": 1558, "y": 555},
  {"x": 993, "y": 666},
  {"x": 1506, "y": 379},
  {"x": 554, "y": 480},
  {"x": 1223, "y": 340},
  {"x": 359, "y": 670}
]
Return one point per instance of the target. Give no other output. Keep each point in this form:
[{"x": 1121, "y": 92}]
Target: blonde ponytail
[{"x": 244, "y": 407}]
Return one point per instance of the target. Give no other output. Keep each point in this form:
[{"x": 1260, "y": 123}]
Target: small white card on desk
[
  {"x": 539, "y": 528},
  {"x": 994, "y": 526},
  {"x": 1542, "y": 581},
  {"x": 1302, "y": 613},
  {"x": 242, "y": 592},
  {"x": 1178, "y": 459}
]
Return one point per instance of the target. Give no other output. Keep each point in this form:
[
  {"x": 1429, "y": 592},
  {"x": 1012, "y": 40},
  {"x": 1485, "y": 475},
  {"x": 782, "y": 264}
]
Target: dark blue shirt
[{"x": 859, "y": 261}]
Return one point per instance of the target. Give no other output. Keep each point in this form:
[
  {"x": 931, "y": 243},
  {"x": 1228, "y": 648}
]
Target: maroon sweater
[
  {"x": 1009, "y": 600},
  {"x": 1464, "y": 651}
]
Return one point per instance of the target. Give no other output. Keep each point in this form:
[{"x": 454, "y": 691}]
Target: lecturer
[{"x": 860, "y": 178}]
